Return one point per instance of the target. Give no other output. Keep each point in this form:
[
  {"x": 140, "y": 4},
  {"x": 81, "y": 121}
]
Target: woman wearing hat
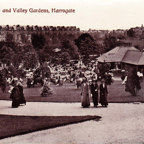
[
  {"x": 22, "y": 98},
  {"x": 15, "y": 94},
  {"x": 85, "y": 95},
  {"x": 94, "y": 92},
  {"x": 103, "y": 93}
]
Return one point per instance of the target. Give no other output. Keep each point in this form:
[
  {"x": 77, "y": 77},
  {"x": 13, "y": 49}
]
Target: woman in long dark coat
[
  {"x": 132, "y": 83},
  {"x": 103, "y": 93},
  {"x": 94, "y": 92},
  {"x": 15, "y": 95},
  {"x": 22, "y": 98}
]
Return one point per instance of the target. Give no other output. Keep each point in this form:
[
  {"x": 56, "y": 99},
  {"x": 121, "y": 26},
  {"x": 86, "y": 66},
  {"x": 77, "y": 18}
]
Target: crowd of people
[
  {"x": 90, "y": 81},
  {"x": 87, "y": 81}
]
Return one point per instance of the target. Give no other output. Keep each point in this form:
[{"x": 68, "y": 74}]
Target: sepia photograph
[{"x": 72, "y": 71}]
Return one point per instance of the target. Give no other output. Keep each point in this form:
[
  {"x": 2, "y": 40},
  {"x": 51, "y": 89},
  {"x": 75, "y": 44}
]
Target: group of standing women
[{"x": 88, "y": 90}]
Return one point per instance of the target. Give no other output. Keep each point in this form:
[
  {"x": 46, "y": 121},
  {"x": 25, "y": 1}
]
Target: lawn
[{"x": 69, "y": 93}]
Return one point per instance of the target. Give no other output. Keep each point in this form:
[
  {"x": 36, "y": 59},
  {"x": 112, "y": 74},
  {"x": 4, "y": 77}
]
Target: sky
[{"x": 88, "y": 14}]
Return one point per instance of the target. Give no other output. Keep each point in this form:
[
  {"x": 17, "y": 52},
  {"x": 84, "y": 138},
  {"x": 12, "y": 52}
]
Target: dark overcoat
[
  {"x": 22, "y": 98},
  {"x": 103, "y": 95},
  {"x": 15, "y": 96},
  {"x": 94, "y": 92}
]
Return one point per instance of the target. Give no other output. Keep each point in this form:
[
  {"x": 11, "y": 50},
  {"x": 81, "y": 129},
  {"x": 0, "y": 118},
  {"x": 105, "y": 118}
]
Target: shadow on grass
[{"x": 18, "y": 125}]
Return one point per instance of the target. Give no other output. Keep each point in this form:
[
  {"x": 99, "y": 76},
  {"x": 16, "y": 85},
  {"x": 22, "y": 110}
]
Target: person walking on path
[
  {"x": 132, "y": 84},
  {"x": 85, "y": 94},
  {"x": 15, "y": 94},
  {"x": 22, "y": 98},
  {"x": 103, "y": 93},
  {"x": 94, "y": 92}
]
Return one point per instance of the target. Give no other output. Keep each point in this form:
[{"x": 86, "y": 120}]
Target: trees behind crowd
[{"x": 55, "y": 47}]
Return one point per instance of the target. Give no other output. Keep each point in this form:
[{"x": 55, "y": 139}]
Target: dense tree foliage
[
  {"x": 131, "y": 33},
  {"x": 45, "y": 54},
  {"x": 65, "y": 58},
  {"x": 110, "y": 42},
  {"x": 87, "y": 46},
  {"x": 38, "y": 40},
  {"x": 71, "y": 46},
  {"x": 5, "y": 54},
  {"x": 9, "y": 37},
  {"x": 31, "y": 59}
]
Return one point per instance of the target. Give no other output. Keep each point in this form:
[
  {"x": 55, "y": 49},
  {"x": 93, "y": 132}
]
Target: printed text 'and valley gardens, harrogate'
[{"x": 39, "y": 10}]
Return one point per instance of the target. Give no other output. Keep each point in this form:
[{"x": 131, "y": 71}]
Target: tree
[
  {"x": 86, "y": 46},
  {"x": 121, "y": 37},
  {"x": 83, "y": 37},
  {"x": 10, "y": 42},
  {"x": 27, "y": 27},
  {"x": 131, "y": 33},
  {"x": 6, "y": 54},
  {"x": 10, "y": 56},
  {"x": 17, "y": 59},
  {"x": 65, "y": 58},
  {"x": 24, "y": 39},
  {"x": 38, "y": 40},
  {"x": 46, "y": 54},
  {"x": 9, "y": 37},
  {"x": 13, "y": 71},
  {"x": 110, "y": 42},
  {"x": 31, "y": 59},
  {"x": 7, "y": 27},
  {"x": 26, "y": 48},
  {"x": 71, "y": 48}
]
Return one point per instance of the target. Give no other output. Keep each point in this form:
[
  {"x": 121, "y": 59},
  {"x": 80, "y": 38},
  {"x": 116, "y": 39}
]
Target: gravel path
[{"x": 120, "y": 123}]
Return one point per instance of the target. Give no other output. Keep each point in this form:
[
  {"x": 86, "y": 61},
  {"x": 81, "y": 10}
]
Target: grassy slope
[{"x": 16, "y": 125}]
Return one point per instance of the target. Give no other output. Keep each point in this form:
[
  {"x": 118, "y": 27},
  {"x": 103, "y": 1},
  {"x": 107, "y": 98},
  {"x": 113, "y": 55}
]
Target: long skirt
[
  {"x": 103, "y": 99},
  {"x": 85, "y": 100},
  {"x": 22, "y": 99},
  {"x": 15, "y": 103},
  {"x": 95, "y": 98}
]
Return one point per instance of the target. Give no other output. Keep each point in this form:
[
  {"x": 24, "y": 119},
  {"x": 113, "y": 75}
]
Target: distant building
[
  {"x": 17, "y": 31},
  {"x": 123, "y": 58}
]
